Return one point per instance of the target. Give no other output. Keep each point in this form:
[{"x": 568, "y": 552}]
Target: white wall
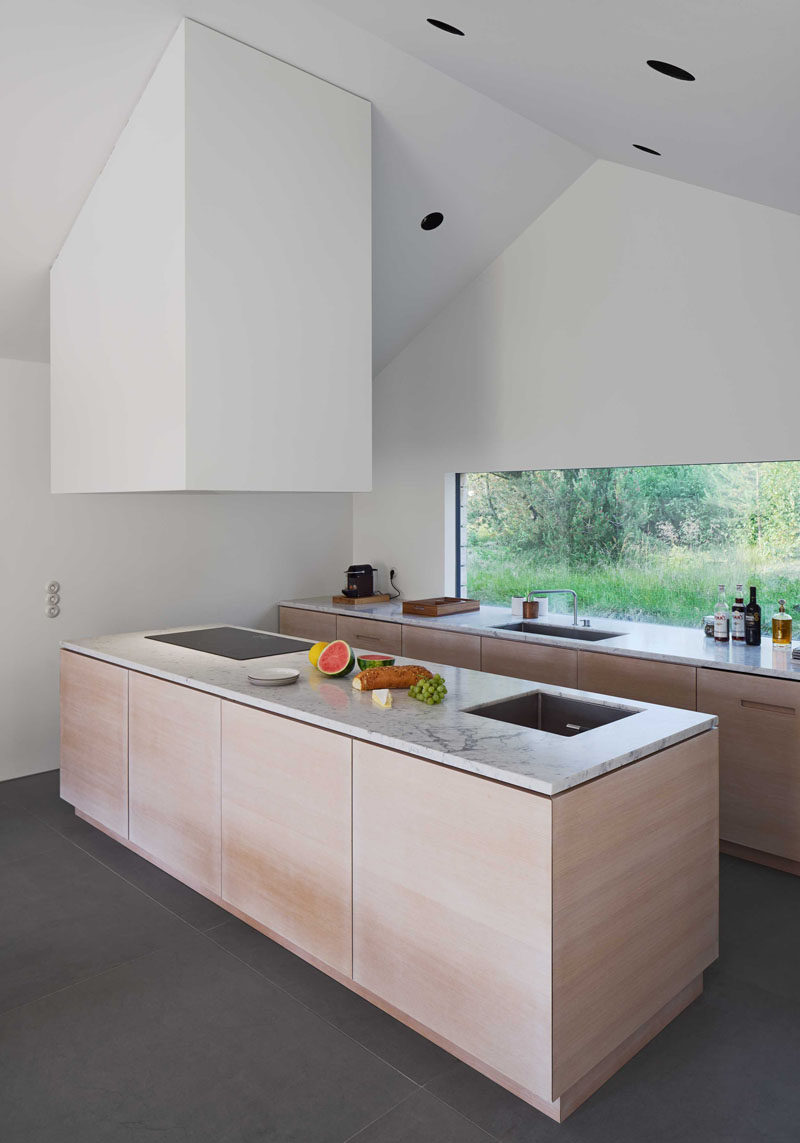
[
  {"x": 639, "y": 320},
  {"x": 128, "y": 562}
]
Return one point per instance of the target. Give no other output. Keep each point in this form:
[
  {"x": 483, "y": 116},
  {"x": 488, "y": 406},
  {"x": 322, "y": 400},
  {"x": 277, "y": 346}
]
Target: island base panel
[{"x": 557, "y": 1110}]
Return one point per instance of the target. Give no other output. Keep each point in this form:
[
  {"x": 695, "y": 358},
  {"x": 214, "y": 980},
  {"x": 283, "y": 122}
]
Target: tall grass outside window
[{"x": 648, "y": 544}]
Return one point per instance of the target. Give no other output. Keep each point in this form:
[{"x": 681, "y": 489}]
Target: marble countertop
[
  {"x": 644, "y": 640},
  {"x": 531, "y": 759}
]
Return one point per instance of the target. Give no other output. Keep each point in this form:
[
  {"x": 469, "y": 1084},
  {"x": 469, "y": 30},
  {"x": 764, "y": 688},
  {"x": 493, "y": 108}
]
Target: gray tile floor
[{"x": 132, "y": 1009}]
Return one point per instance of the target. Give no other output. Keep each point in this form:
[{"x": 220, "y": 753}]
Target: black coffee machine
[{"x": 360, "y": 581}]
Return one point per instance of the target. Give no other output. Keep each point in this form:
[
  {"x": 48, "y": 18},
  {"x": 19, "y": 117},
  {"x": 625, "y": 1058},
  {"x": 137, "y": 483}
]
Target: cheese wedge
[{"x": 382, "y": 698}]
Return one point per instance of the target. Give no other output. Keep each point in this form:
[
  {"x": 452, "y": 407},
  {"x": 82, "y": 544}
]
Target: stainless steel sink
[
  {"x": 554, "y": 714},
  {"x": 588, "y": 634}
]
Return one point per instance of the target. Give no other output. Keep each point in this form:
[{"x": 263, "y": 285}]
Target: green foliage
[{"x": 638, "y": 543}]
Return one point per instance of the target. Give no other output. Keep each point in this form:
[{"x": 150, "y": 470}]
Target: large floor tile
[
  {"x": 422, "y": 1119},
  {"x": 185, "y": 1046},
  {"x": 403, "y": 1048},
  {"x": 20, "y": 791},
  {"x": 65, "y": 917},
  {"x": 759, "y": 926},
  {"x": 22, "y": 835}
]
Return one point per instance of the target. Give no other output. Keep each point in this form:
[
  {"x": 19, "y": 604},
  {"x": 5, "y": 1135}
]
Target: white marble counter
[
  {"x": 531, "y": 759},
  {"x": 645, "y": 640}
]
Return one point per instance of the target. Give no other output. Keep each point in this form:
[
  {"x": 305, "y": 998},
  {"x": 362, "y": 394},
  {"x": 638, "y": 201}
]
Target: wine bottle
[
  {"x": 752, "y": 621},
  {"x": 781, "y": 625},
  {"x": 737, "y": 616},
  {"x": 721, "y": 617}
]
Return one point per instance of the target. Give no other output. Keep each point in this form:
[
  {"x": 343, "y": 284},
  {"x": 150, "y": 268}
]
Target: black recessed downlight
[
  {"x": 431, "y": 221},
  {"x": 649, "y": 150},
  {"x": 440, "y": 24},
  {"x": 670, "y": 69}
]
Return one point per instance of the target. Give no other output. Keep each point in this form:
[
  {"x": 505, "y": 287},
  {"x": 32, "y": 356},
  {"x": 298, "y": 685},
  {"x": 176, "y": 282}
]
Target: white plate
[{"x": 274, "y": 677}]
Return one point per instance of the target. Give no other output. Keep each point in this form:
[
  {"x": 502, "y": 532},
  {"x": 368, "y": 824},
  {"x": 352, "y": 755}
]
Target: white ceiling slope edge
[
  {"x": 578, "y": 67},
  {"x": 71, "y": 72}
]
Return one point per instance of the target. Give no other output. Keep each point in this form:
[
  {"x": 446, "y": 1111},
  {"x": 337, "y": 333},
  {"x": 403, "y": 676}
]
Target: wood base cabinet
[
  {"x": 286, "y": 831},
  {"x": 534, "y": 661},
  {"x": 317, "y": 625},
  {"x": 542, "y": 940},
  {"x": 94, "y": 739},
  {"x": 759, "y": 727},
  {"x": 174, "y": 763},
  {"x": 642, "y": 680},
  {"x": 449, "y": 647}
]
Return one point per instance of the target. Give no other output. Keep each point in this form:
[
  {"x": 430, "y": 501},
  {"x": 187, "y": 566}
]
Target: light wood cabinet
[
  {"x": 642, "y": 680},
  {"x": 94, "y": 739},
  {"x": 759, "y": 726},
  {"x": 540, "y": 664},
  {"x": 317, "y": 625},
  {"x": 370, "y": 634},
  {"x": 451, "y": 893},
  {"x": 449, "y": 647},
  {"x": 174, "y": 761},
  {"x": 635, "y": 890},
  {"x": 286, "y": 830}
]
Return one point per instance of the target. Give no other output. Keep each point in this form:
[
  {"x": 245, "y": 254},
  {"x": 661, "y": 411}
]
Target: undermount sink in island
[{"x": 525, "y": 874}]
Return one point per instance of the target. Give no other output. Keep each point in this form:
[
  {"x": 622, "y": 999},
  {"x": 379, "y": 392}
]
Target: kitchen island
[{"x": 538, "y": 901}]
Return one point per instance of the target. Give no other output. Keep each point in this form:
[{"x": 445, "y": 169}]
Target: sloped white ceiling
[
  {"x": 579, "y": 68},
  {"x": 72, "y": 70}
]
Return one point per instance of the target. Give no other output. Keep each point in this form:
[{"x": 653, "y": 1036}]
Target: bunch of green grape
[{"x": 430, "y": 691}]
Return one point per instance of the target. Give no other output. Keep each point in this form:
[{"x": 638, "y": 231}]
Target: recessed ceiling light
[
  {"x": 431, "y": 221},
  {"x": 440, "y": 24},
  {"x": 670, "y": 69},
  {"x": 649, "y": 150}
]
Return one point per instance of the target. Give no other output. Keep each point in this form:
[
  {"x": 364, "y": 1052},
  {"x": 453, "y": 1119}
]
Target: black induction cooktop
[{"x": 233, "y": 642}]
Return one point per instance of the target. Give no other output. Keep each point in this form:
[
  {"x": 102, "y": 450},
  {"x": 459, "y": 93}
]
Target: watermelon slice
[
  {"x": 336, "y": 660},
  {"x": 375, "y": 660}
]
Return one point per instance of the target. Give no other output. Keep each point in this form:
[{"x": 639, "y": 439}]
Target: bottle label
[
  {"x": 737, "y": 625},
  {"x": 721, "y": 626}
]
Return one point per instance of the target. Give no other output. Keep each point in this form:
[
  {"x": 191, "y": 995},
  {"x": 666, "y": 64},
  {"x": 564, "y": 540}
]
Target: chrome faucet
[{"x": 561, "y": 591}]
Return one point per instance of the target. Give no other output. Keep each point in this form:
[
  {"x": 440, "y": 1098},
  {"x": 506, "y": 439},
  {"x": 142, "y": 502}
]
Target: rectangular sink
[
  {"x": 531, "y": 627},
  {"x": 553, "y": 714}
]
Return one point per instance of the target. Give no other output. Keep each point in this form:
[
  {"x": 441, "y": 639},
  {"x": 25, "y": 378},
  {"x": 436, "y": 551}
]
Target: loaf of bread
[{"x": 376, "y": 678}]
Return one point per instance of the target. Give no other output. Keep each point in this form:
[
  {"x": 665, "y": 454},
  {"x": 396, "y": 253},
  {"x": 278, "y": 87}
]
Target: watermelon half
[
  {"x": 375, "y": 660},
  {"x": 336, "y": 660}
]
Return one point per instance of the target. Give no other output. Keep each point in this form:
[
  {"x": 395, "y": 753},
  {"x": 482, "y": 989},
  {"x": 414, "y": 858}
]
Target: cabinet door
[
  {"x": 317, "y": 625},
  {"x": 670, "y": 684},
  {"x": 541, "y": 664},
  {"x": 451, "y": 907},
  {"x": 759, "y": 758},
  {"x": 370, "y": 634},
  {"x": 286, "y": 830},
  {"x": 94, "y": 739},
  {"x": 175, "y": 778},
  {"x": 449, "y": 647}
]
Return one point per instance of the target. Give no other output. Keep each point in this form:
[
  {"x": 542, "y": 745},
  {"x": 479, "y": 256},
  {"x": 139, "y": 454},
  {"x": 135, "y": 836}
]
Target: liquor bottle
[
  {"x": 781, "y": 624},
  {"x": 721, "y": 617},
  {"x": 737, "y": 616},
  {"x": 752, "y": 621}
]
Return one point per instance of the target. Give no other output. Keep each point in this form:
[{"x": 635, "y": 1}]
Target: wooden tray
[
  {"x": 443, "y": 605},
  {"x": 337, "y": 599}
]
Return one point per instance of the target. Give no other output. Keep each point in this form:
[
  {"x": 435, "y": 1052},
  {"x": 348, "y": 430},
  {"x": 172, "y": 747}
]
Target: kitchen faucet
[{"x": 561, "y": 591}]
